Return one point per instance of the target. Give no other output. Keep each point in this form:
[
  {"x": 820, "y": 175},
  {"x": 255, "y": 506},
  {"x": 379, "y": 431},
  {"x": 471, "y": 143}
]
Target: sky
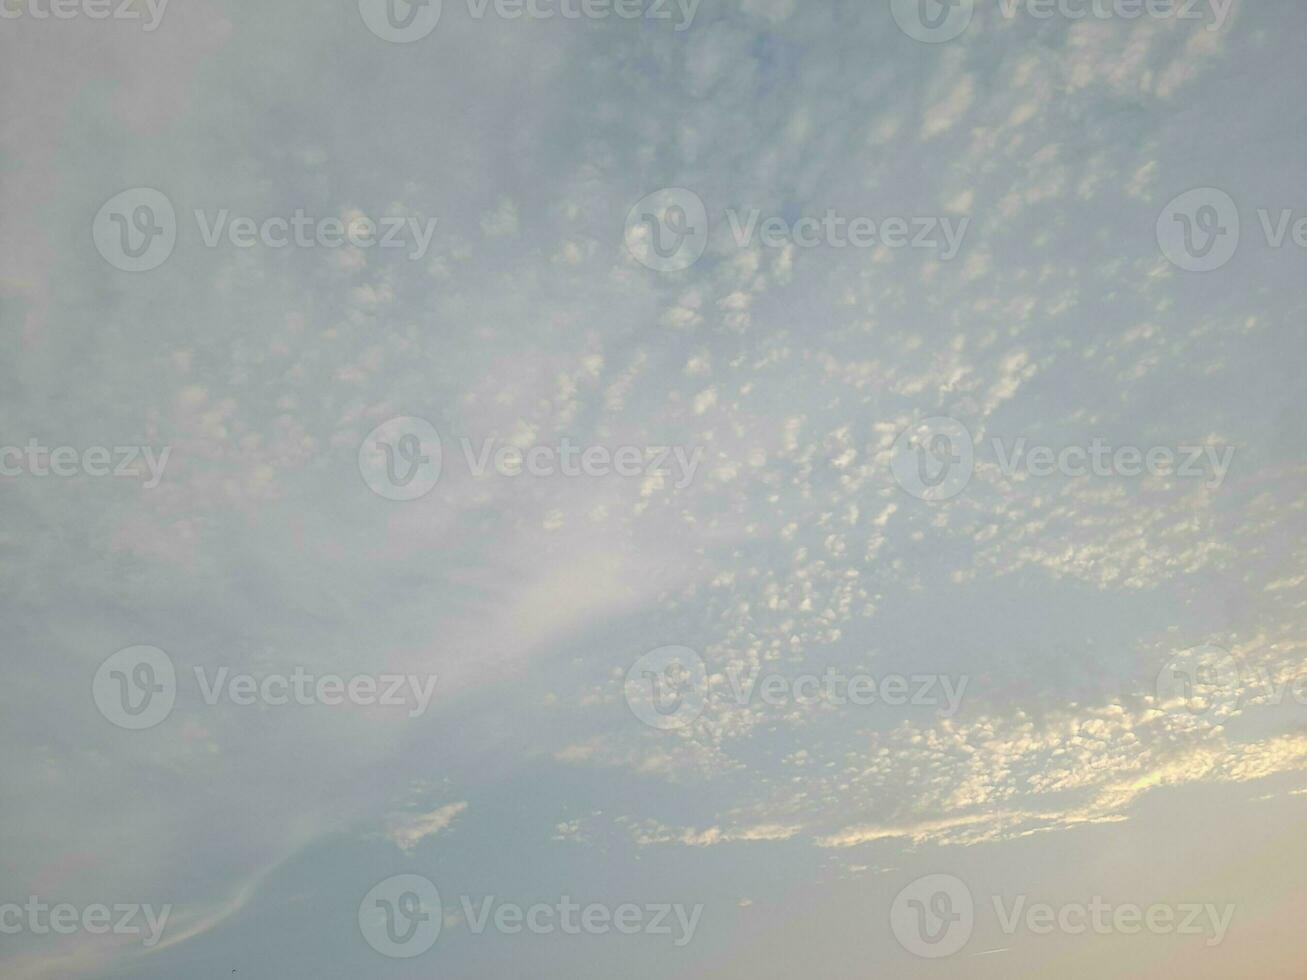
[{"x": 719, "y": 489}]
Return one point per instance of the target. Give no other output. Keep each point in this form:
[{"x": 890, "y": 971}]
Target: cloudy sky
[{"x": 831, "y": 470}]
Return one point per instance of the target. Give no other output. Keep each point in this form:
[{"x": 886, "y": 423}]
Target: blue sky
[{"x": 802, "y": 381}]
